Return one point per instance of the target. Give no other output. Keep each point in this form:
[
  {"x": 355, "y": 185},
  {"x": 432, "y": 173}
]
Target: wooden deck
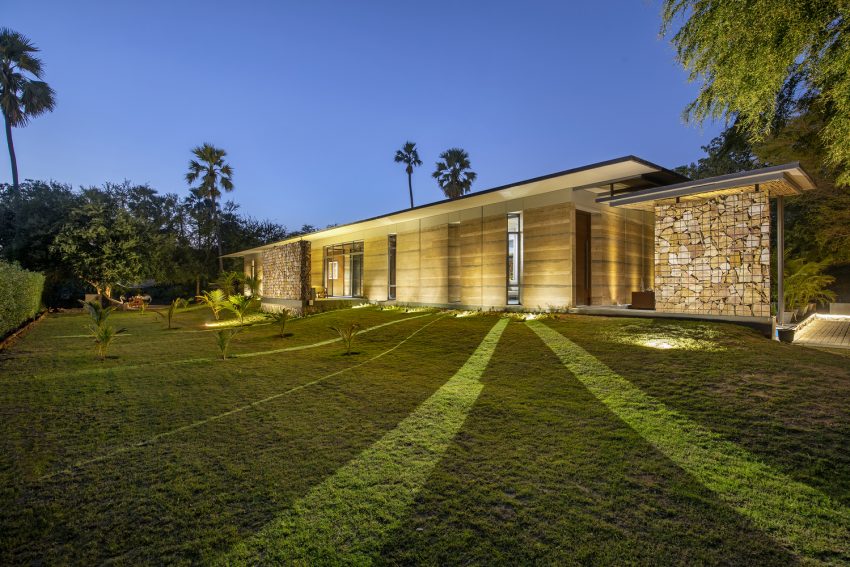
[{"x": 826, "y": 331}]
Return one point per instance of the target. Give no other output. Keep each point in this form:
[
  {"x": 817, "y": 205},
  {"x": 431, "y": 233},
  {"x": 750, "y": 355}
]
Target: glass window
[
  {"x": 391, "y": 253},
  {"x": 514, "y": 259}
]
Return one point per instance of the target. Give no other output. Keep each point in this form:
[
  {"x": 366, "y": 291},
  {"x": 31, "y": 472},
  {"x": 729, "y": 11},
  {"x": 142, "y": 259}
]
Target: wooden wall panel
[
  {"x": 621, "y": 252},
  {"x": 548, "y": 242},
  {"x": 375, "y": 267},
  {"x": 470, "y": 260},
  {"x": 454, "y": 263},
  {"x": 407, "y": 262},
  {"x": 494, "y": 260},
  {"x": 434, "y": 264}
]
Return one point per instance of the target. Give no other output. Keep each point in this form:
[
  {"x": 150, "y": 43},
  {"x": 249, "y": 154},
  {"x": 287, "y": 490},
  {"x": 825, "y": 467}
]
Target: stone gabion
[
  {"x": 712, "y": 256},
  {"x": 286, "y": 271}
]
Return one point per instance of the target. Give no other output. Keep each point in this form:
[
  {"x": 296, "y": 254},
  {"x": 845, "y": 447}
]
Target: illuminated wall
[
  {"x": 712, "y": 256},
  {"x": 460, "y": 258},
  {"x": 621, "y": 255},
  {"x": 286, "y": 271}
]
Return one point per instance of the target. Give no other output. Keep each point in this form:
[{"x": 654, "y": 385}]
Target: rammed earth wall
[
  {"x": 712, "y": 256},
  {"x": 286, "y": 271}
]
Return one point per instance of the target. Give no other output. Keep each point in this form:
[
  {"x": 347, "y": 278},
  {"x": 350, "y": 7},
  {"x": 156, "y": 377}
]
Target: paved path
[{"x": 828, "y": 331}]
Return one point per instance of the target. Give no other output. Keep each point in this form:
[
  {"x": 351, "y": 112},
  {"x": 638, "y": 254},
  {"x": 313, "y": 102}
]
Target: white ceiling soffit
[{"x": 618, "y": 169}]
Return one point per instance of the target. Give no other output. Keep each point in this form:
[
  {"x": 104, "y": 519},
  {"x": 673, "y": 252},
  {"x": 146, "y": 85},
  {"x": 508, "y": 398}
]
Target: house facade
[{"x": 589, "y": 236}]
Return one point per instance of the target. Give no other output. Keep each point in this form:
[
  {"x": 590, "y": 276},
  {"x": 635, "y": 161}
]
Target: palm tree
[
  {"x": 409, "y": 156},
  {"x": 214, "y": 173},
  {"x": 453, "y": 173},
  {"x": 22, "y": 94}
]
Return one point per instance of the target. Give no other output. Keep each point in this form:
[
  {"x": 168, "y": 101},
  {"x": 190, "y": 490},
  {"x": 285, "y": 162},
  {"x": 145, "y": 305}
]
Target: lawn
[{"x": 440, "y": 440}]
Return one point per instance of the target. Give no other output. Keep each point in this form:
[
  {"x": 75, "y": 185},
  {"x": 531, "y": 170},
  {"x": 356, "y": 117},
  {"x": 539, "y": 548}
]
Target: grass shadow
[
  {"x": 196, "y": 494},
  {"x": 542, "y": 473},
  {"x": 785, "y": 404}
]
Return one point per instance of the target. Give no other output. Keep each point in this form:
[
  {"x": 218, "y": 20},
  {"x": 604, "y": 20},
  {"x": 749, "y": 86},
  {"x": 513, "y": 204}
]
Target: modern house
[{"x": 589, "y": 236}]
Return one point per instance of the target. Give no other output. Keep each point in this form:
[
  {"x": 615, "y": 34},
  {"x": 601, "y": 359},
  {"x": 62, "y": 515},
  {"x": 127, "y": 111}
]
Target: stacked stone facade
[
  {"x": 712, "y": 256},
  {"x": 286, "y": 271}
]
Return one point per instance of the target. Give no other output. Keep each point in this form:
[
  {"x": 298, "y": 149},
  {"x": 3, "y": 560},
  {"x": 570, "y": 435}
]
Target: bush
[{"x": 21, "y": 296}]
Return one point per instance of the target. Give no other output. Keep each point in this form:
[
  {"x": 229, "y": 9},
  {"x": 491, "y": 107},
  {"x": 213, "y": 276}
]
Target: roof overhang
[
  {"x": 628, "y": 170},
  {"x": 788, "y": 179}
]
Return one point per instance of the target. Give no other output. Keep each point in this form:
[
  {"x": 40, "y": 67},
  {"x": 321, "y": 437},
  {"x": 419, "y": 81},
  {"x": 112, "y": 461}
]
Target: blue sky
[{"x": 311, "y": 99}]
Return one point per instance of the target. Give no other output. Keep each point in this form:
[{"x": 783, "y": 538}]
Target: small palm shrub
[
  {"x": 279, "y": 319},
  {"x": 102, "y": 333},
  {"x": 347, "y": 334},
  {"x": 241, "y": 306},
  {"x": 223, "y": 338},
  {"x": 103, "y": 338},
  {"x": 214, "y": 299},
  {"x": 173, "y": 308}
]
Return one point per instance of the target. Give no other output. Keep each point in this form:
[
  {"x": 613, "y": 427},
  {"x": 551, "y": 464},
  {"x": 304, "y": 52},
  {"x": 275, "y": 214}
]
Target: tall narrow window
[
  {"x": 514, "y": 267},
  {"x": 391, "y": 248}
]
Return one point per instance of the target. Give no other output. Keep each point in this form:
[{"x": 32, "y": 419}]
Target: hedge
[{"x": 20, "y": 296}]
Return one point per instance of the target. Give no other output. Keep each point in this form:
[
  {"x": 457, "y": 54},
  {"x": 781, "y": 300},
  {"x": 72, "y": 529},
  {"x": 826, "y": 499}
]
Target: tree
[
  {"x": 23, "y": 95},
  {"x": 817, "y": 221},
  {"x": 209, "y": 166},
  {"x": 409, "y": 156},
  {"x": 453, "y": 173},
  {"x": 102, "y": 243},
  {"x": 728, "y": 152},
  {"x": 750, "y": 55}
]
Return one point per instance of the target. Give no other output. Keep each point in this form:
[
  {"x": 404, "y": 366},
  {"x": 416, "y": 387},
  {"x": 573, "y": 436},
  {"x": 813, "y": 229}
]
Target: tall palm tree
[
  {"x": 409, "y": 156},
  {"x": 23, "y": 94},
  {"x": 453, "y": 173},
  {"x": 214, "y": 174}
]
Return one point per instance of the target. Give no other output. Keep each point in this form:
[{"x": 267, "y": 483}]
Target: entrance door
[{"x": 582, "y": 258}]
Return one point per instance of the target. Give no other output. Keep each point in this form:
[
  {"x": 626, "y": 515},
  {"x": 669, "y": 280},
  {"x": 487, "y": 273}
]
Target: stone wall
[
  {"x": 286, "y": 271},
  {"x": 712, "y": 256}
]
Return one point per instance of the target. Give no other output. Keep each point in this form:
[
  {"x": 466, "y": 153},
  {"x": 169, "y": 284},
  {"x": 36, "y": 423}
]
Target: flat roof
[
  {"x": 595, "y": 175},
  {"x": 786, "y": 179}
]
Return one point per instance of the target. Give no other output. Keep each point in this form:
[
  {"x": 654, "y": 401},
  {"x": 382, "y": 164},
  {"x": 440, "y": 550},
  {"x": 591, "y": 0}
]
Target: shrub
[
  {"x": 347, "y": 333},
  {"x": 99, "y": 330},
  {"x": 214, "y": 299},
  {"x": 806, "y": 282},
  {"x": 21, "y": 293},
  {"x": 223, "y": 338},
  {"x": 241, "y": 306},
  {"x": 279, "y": 318},
  {"x": 175, "y": 306}
]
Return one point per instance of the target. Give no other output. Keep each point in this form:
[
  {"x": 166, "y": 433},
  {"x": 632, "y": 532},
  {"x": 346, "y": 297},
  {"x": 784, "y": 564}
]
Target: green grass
[
  {"x": 792, "y": 512},
  {"x": 417, "y": 449}
]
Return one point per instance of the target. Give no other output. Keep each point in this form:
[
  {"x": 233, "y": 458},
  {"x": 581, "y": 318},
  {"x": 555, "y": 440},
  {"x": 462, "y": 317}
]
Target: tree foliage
[
  {"x": 818, "y": 221},
  {"x": 729, "y": 152},
  {"x": 173, "y": 235},
  {"x": 453, "y": 173},
  {"x": 755, "y": 57},
  {"x": 102, "y": 243}
]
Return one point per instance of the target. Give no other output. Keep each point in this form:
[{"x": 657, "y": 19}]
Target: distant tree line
[{"x": 113, "y": 238}]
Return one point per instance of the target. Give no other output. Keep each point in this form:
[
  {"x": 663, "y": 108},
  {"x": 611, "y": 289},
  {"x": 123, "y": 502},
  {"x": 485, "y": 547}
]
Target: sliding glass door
[{"x": 343, "y": 269}]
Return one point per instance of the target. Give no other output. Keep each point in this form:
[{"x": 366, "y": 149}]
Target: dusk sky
[{"x": 311, "y": 99}]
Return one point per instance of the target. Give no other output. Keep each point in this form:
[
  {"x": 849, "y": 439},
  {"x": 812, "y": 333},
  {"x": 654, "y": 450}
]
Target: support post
[{"x": 780, "y": 260}]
